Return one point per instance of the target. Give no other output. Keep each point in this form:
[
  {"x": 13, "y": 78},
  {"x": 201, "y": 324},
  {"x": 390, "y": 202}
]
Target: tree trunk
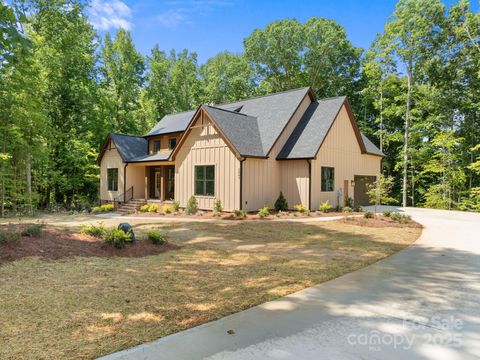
[
  {"x": 405, "y": 136},
  {"x": 3, "y": 174},
  {"x": 381, "y": 117},
  {"x": 28, "y": 173}
]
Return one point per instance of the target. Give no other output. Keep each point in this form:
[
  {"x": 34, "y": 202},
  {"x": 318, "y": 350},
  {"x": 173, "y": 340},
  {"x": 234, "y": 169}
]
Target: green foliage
[
  {"x": 387, "y": 213},
  {"x": 192, "y": 206},
  {"x": 349, "y": 202},
  {"x": 33, "y": 230},
  {"x": 153, "y": 207},
  {"x": 402, "y": 218},
  {"x": 217, "y": 206},
  {"x": 281, "y": 203},
  {"x": 157, "y": 237},
  {"x": 117, "y": 238},
  {"x": 379, "y": 192},
  {"x": 368, "y": 215},
  {"x": 8, "y": 235},
  {"x": 347, "y": 209},
  {"x": 175, "y": 205},
  {"x": 97, "y": 231},
  {"x": 144, "y": 208},
  {"x": 264, "y": 211},
  {"x": 103, "y": 208},
  {"x": 325, "y": 207},
  {"x": 357, "y": 208},
  {"x": 300, "y": 208},
  {"x": 240, "y": 213},
  {"x": 166, "y": 209}
]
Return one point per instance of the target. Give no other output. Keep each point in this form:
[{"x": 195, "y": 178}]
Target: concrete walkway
[{"x": 422, "y": 303}]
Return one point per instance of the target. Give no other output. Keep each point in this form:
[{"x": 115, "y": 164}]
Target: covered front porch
[{"x": 159, "y": 181}]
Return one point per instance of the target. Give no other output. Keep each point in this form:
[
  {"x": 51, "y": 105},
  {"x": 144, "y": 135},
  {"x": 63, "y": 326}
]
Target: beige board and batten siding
[
  {"x": 136, "y": 178},
  {"x": 341, "y": 151},
  {"x": 263, "y": 179},
  {"x": 204, "y": 146},
  {"x": 295, "y": 182},
  {"x": 111, "y": 159},
  {"x": 163, "y": 142}
]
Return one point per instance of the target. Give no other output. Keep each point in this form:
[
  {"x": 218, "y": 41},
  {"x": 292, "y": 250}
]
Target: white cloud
[
  {"x": 174, "y": 17},
  {"x": 110, "y": 14}
]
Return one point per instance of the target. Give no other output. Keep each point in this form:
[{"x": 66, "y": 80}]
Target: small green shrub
[
  {"x": 94, "y": 230},
  {"x": 401, "y": 217},
  {"x": 240, "y": 213},
  {"x": 176, "y": 205},
  {"x": 358, "y": 208},
  {"x": 33, "y": 230},
  {"x": 117, "y": 238},
  {"x": 264, "y": 211},
  {"x": 153, "y": 208},
  {"x": 325, "y": 207},
  {"x": 368, "y": 215},
  {"x": 349, "y": 202},
  {"x": 157, "y": 237},
  {"x": 300, "y": 208},
  {"x": 166, "y": 209},
  {"x": 387, "y": 213},
  {"x": 103, "y": 208},
  {"x": 192, "y": 206},
  {"x": 9, "y": 235},
  {"x": 217, "y": 206},
  {"x": 144, "y": 208},
  {"x": 281, "y": 203},
  {"x": 347, "y": 209}
]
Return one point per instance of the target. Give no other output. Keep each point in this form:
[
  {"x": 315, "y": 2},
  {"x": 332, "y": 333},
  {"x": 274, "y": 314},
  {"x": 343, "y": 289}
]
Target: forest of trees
[{"x": 63, "y": 88}]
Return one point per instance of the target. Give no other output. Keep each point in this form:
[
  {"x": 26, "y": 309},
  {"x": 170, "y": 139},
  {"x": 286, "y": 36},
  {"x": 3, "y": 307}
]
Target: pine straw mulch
[
  {"x": 380, "y": 221},
  {"x": 57, "y": 244}
]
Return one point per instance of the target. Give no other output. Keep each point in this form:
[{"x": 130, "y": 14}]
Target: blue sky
[{"x": 211, "y": 26}]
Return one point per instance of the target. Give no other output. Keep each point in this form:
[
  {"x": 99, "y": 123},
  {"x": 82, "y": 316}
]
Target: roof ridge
[
  {"x": 136, "y": 136},
  {"x": 332, "y": 97},
  {"x": 226, "y": 110},
  {"x": 266, "y": 95}
]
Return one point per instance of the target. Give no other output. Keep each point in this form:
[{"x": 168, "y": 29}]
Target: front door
[
  {"x": 170, "y": 183},
  {"x": 158, "y": 182}
]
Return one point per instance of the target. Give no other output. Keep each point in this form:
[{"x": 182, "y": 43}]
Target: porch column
[
  {"x": 162, "y": 183},
  {"x": 146, "y": 182}
]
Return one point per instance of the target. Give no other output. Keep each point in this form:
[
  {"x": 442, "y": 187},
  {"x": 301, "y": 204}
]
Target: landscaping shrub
[
  {"x": 240, "y": 213},
  {"x": 347, "y": 209},
  {"x": 387, "y": 213},
  {"x": 401, "y": 218},
  {"x": 349, "y": 202},
  {"x": 192, "y": 206},
  {"x": 8, "y": 235},
  {"x": 166, "y": 209},
  {"x": 325, "y": 207},
  {"x": 153, "y": 208},
  {"x": 300, "y": 208},
  {"x": 103, "y": 208},
  {"x": 117, "y": 238},
  {"x": 33, "y": 230},
  {"x": 176, "y": 205},
  {"x": 144, "y": 208},
  {"x": 264, "y": 211},
  {"x": 217, "y": 206},
  {"x": 94, "y": 230},
  {"x": 157, "y": 237},
  {"x": 281, "y": 203},
  {"x": 368, "y": 215},
  {"x": 358, "y": 208}
]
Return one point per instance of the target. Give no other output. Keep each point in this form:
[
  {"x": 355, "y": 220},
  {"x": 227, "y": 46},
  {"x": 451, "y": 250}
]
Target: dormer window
[
  {"x": 156, "y": 146},
  {"x": 172, "y": 143}
]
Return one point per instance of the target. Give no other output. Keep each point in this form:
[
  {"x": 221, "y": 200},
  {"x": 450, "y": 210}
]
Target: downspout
[
  {"x": 241, "y": 183},
  {"x": 309, "y": 184},
  {"x": 125, "y": 182}
]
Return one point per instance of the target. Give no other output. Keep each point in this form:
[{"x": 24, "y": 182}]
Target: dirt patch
[
  {"x": 55, "y": 244},
  {"x": 380, "y": 221}
]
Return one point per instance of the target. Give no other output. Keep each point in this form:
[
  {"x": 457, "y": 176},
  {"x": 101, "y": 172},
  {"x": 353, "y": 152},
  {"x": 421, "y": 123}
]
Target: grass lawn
[{"x": 84, "y": 307}]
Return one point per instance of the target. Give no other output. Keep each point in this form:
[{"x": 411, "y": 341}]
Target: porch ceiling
[{"x": 151, "y": 163}]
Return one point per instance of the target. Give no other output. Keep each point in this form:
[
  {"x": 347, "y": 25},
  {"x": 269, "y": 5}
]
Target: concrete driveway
[{"x": 422, "y": 303}]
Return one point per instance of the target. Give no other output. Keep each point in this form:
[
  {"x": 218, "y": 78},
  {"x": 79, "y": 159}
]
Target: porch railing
[{"x": 125, "y": 197}]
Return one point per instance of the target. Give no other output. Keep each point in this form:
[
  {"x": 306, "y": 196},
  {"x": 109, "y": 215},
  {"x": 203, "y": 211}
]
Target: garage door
[{"x": 360, "y": 190}]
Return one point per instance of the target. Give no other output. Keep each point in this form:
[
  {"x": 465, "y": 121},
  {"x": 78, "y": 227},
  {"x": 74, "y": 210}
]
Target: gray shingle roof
[
  {"x": 129, "y": 146},
  {"x": 240, "y": 129},
  {"x": 172, "y": 123},
  {"x": 152, "y": 157},
  {"x": 371, "y": 147},
  {"x": 311, "y": 130}
]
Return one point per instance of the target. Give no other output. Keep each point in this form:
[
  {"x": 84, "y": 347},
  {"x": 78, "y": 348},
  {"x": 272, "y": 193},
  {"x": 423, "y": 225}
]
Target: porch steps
[{"x": 130, "y": 206}]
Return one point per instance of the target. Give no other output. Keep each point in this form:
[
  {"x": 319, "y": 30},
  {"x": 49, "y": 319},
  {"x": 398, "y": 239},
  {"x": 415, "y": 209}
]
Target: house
[{"x": 244, "y": 153}]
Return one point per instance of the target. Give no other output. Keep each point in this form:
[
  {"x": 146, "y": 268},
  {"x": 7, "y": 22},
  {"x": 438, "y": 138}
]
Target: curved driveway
[{"x": 422, "y": 303}]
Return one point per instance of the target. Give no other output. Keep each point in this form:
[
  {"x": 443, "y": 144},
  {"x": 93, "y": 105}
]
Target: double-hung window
[
  {"x": 156, "y": 146},
  {"x": 112, "y": 179},
  {"x": 328, "y": 178},
  {"x": 205, "y": 180},
  {"x": 172, "y": 143}
]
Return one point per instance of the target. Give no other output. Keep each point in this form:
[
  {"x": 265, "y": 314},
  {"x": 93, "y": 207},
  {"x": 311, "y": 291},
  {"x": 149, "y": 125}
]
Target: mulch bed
[
  {"x": 380, "y": 221},
  {"x": 55, "y": 244}
]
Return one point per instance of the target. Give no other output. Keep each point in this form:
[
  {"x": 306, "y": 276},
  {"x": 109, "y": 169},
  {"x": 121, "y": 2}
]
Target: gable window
[
  {"x": 205, "y": 180},
  {"x": 328, "y": 178},
  {"x": 156, "y": 145},
  {"x": 112, "y": 179},
  {"x": 172, "y": 143}
]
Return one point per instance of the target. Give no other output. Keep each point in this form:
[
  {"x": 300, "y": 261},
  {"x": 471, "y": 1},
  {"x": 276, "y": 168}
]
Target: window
[
  {"x": 205, "y": 180},
  {"x": 172, "y": 143},
  {"x": 112, "y": 179},
  {"x": 328, "y": 178},
  {"x": 156, "y": 145}
]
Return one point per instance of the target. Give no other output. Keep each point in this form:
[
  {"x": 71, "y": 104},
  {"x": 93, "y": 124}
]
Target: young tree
[{"x": 379, "y": 191}]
